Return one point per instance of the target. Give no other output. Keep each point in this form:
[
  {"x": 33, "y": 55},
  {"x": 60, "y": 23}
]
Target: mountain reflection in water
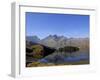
[{"x": 73, "y": 57}]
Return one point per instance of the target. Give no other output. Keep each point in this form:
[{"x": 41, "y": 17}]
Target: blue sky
[{"x": 69, "y": 25}]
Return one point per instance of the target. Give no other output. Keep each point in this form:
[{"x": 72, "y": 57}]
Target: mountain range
[
  {"x": 56, "y": 41},
  {"x": 32, "y": 38}
]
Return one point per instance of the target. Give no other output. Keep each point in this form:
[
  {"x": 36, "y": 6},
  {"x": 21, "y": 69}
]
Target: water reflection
[{"x": 66, "y": 57}]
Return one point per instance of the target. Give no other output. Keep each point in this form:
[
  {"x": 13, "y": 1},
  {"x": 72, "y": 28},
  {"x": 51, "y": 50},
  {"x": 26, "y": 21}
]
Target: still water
[{"x": 66, "y": 57}]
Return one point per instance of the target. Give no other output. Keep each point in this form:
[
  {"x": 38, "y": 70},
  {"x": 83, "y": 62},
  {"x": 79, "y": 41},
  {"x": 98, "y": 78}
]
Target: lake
[{"x": 63, "y": 58}]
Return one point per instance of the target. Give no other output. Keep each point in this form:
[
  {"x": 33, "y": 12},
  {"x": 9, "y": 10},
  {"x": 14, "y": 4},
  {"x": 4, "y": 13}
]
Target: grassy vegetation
[
  {"x": 37, "y": 51},
  {"x": 39, "y": 64}
]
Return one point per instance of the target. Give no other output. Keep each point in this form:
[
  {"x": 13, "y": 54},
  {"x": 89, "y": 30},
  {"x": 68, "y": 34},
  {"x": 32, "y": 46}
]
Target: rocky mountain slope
[{"x": 56, "y": 41}]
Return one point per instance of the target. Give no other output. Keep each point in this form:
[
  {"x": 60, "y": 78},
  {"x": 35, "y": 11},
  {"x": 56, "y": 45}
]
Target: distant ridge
[
  {"x": 56, "y": 41},
  {"x": 32, "y": 38}
]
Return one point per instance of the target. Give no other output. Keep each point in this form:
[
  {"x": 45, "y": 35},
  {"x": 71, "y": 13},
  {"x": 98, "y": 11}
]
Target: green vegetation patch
[{"x": 68, "y": 49}]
